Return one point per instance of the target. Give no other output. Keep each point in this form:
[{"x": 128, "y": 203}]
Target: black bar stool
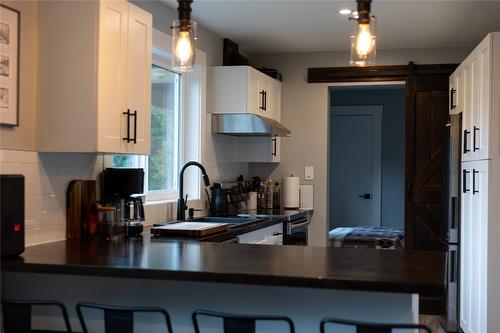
[
  {"x": 238, "y": 323},
  {"x": 17, "y": 315},
  {"x": 120, "y": 319},
  {"x": 363, "y": 327}
]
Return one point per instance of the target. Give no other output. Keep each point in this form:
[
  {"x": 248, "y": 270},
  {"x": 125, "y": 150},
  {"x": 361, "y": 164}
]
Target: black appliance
[
  {"x": 123, "y": 185},
  {"x": 12, "y": 214},
  {"x": 450, "y": 229}
]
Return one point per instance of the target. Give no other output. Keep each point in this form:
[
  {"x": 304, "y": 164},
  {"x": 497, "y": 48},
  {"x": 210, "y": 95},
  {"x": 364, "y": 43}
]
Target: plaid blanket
[{"x": 367, "y": 237}]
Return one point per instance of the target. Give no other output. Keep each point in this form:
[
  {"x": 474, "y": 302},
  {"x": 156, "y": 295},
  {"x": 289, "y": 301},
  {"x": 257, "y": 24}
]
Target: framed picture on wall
[{"x": 9, "y": 66}]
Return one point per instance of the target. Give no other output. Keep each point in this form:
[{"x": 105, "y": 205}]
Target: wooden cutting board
[
  {"x": 189, "y": 229},
  {"x": 80, "y": 195}
]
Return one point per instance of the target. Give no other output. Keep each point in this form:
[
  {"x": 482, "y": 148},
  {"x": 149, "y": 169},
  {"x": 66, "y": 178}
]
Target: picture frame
[{"x": 10, "y": 36}]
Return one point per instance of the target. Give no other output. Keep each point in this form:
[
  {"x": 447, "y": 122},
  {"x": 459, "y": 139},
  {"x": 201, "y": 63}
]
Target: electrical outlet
[{"x": 309, "y": 172}]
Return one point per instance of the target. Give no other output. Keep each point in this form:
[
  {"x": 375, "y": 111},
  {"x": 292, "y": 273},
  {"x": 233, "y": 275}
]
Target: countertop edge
[{"x": 233, "y": 278}]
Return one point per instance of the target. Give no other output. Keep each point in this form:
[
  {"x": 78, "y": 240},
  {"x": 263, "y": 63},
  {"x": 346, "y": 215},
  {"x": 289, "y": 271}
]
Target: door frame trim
[{"x": 376, "y": 148}]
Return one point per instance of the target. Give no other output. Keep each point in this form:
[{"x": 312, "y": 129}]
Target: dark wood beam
[{"x": 375, "y": 73}]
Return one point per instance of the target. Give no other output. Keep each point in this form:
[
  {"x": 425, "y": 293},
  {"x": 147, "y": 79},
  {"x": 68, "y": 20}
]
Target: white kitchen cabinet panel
[
  {"x": 472, "y": 85},
  {"x": 272, "y": 235},
  {"x": 474, "y": 246},
  {"x": 479, "y": 93},
  {"x": 94, "y": 75},
  {"x": 243, "y": 89},
  {"x": 259, "y": 149}
]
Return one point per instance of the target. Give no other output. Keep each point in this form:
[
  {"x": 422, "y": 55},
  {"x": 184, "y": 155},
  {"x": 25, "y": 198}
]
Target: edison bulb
[
  {"x": 183, "y": 48},
  {"x": 364, "y": 42}
]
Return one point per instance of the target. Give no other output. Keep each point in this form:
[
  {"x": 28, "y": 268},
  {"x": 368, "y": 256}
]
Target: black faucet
[{"x": 181, "y": 204}]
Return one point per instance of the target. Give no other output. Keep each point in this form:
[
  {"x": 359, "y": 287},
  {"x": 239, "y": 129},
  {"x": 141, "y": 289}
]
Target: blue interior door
[{"x": 355, "y": 175}]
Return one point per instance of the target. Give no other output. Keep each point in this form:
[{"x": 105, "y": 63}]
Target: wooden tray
[{"x": 189, "y": 229}]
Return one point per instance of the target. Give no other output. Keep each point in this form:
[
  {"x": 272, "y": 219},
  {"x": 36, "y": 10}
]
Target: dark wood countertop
[{"x": 293, "y": 266}]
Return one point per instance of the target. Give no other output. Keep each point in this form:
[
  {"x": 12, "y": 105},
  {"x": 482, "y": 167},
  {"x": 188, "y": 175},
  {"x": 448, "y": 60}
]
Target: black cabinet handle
[
  {"x": 475, "y": 130},
  {"x": 274, "y": 153},
  {"x": 466, "y": 145},
  {"x": 454, "y": 266},
  {"x": 464, "y": 181},
  {"x": 128, "y": 125},
  {"x": 474, "y": 173},
  {"x": 265, "y": 100},
  {"x": 452, "y": 105},
  {"x": 262, "y": 101},
  {"x": 367, "y": 196},
  {"x": 135, "y": 127}
]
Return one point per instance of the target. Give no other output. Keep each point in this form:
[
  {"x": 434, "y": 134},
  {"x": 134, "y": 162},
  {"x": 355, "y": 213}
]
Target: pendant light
[
  {"x": 184, "y": 38},
  {"x": 363, "y": 39}
]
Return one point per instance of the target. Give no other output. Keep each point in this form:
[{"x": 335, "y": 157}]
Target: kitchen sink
[{"x": 233, "y": 222}]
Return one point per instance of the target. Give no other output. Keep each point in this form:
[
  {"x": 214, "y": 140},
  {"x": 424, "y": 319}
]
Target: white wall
[
  {"x": 305, "y": 112},
  {"x": 47, "y": 175}
]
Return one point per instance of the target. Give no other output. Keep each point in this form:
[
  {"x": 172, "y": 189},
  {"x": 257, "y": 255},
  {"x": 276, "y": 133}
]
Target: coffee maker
[{"x": 124, "y": 188}]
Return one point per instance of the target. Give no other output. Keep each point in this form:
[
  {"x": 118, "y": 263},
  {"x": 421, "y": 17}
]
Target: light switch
[{"x": 309, "y": 172}]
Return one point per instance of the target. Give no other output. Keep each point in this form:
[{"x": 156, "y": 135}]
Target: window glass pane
[
  {"x": 124, "y": 161},
  {"x": 163, "y": 162}
]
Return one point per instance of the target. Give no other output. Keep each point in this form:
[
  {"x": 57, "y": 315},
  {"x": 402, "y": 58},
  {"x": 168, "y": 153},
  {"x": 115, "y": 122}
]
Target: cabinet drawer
[{"x": 266, "y": 235}]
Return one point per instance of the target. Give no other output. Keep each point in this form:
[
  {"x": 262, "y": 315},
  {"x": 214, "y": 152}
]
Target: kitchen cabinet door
[
  {"x": 112, "y": 60},
  {"x": 465, "y": 249},
  {"x": 473, "y": 244},
  {"x": 467, "y": 113},
  {"x": 480, "y": 108},
  {"x": 139, "y": 80},
  {"x": 259, "y": 149},
  {"x": 479, "y": 233}
]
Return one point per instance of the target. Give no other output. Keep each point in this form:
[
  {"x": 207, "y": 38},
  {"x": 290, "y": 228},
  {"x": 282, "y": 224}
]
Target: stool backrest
[
  {"x": 120, "y": 319},
  {"x": 238, "y": 323},
  {"x": 17, "y": 314},
  {"x": 364, "y": 327}
]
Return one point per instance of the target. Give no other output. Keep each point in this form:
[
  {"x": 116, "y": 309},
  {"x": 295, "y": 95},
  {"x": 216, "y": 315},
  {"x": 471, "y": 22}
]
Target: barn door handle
[{"x": 367, "y": 196}]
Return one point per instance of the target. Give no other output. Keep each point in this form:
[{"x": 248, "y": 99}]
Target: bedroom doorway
[
  {"x": 355, "y": 146},
  {"x": 367, "y": 156}
]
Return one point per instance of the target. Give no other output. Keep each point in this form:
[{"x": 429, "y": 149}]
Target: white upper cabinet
[
  {"x": 95, "y": 77},
  {"x": 479, "y": 94},
  {"x": 243, "y": 89},
  {"x": 470, "y": 93}
]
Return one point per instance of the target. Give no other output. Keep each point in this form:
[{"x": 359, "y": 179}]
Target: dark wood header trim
[{"x": 375, "y": 73}]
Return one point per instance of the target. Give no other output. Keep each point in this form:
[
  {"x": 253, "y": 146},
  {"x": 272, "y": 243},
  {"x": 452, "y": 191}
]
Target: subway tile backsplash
[{"x": 46, "y": 178}]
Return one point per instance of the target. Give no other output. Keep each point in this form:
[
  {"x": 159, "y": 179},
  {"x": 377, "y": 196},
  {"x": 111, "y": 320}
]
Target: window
[
  {"x": 178, "y": 103},
  {"x": 161, "y": 166}
]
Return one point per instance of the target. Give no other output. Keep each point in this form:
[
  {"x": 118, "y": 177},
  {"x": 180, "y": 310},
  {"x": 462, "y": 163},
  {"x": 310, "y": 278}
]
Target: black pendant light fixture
[
  {"x": 184, "y": 38},
  {"x": 363, "y": 39}
]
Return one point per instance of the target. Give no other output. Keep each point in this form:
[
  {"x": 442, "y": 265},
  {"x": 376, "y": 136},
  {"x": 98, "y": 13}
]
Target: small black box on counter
[{"x": 12, "y": 214}]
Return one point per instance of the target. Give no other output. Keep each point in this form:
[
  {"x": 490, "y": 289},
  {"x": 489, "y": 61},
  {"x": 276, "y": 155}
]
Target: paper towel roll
[
  {"x": 290, "y": 192},
  {"x": 252, "y": 200}
]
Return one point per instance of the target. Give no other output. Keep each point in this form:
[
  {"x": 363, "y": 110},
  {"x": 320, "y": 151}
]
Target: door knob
[{"x": 365, "y": 196}]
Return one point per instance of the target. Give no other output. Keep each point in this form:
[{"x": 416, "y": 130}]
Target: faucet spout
[{"x": 181, "y": 203}]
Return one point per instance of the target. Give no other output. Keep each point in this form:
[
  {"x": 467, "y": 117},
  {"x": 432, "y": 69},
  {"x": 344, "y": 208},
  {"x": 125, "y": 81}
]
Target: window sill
[{"x": 165, "y": 201}]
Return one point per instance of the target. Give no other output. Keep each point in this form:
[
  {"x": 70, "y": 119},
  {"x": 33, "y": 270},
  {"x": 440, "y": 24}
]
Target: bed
[{"x": 367, "y": 237}]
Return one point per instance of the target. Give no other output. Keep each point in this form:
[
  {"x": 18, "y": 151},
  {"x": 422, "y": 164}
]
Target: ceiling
[{"x": 266, "y": 26}]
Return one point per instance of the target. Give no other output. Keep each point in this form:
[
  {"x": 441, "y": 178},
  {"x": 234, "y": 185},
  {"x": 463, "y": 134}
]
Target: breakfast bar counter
[
  {"x": 304, "y": 283},
  {"x": 292, "y": 266}
]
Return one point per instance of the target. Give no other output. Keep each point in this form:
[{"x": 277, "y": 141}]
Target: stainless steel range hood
[{"x": 247, "y": 124}]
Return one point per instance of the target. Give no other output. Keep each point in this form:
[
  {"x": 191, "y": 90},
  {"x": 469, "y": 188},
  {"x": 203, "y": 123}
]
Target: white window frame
[{"x": 188, "y": 147}]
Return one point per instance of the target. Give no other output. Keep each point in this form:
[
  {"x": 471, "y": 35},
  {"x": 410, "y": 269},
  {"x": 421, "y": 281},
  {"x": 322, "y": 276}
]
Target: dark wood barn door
[{"x": 426, "y": 117}]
